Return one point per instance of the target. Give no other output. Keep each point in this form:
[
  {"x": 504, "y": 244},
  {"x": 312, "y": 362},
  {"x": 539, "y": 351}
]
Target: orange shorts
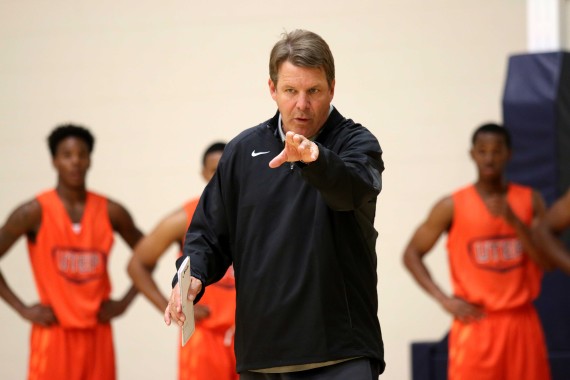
[
  {"x": 506, "y": 345},
  {"x": 75, "y": 354},
  {"x": 208, "y": 355}
]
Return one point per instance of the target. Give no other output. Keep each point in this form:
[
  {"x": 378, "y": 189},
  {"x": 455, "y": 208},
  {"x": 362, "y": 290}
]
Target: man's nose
[{"x": 303, "y": 101}]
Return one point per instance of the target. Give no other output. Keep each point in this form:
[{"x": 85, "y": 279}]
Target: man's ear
[{"x": 272, "y": 88}]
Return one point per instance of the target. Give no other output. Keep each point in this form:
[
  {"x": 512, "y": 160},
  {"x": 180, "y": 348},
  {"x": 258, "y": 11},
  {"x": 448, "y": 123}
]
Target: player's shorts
[
  {"x": 506, "y": 345},
  {"x": 208, "y": 355},
  {"x": 73, "y": 354}
]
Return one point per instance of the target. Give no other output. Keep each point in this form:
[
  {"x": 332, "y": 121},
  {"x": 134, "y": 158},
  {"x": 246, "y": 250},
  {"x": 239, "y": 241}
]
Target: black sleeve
[
  {"x": 350, "y": 178},
  {"x": 207, "y": 238}
]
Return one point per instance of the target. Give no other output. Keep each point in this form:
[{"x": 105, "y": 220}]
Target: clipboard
[{"x": 187, "y": 307}]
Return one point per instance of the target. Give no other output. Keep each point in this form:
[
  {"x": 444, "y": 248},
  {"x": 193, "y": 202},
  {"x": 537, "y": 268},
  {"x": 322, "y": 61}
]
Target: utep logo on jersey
[
  {"x": 500, "y": 253},
  {"x": 79, "y": 265}
]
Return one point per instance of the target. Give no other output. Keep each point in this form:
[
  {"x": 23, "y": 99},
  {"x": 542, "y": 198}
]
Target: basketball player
[
  {"x": 495, "y": 269},
  {"x": 70, "y": 231},
  {"x": 556, "y": 220},
  {"x": 208, "y": 355}
]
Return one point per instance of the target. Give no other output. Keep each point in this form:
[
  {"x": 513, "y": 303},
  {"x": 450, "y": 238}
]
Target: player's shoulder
[
  {"x": 114, "y": 206},
  {"x": 520, "y": 188},
  {"x": 445, "y": 200},
  {"x": 465, "y": 190},
  {"x": 116, "y": 211},
  {"x": 98, "y": 196},
  {"x": 176, "y": 219},
  {"x": 26, "y": 216},
  {"x": 525, "y": 193},
  {"x": 565, "y": 199},
  {"x": 444, "y": 204},
  {"x": 30, "y": 207}
]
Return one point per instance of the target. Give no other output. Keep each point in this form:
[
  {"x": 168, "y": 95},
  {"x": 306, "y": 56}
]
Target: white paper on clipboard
[{"x": 187, "y": 307}]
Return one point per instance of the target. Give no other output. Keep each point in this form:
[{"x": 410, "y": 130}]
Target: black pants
[{"x": 355, "y": 369}]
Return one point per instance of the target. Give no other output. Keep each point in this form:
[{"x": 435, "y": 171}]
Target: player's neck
[
  {"x": 72, "y": 194},
  {"x": 491, "y": 186}
]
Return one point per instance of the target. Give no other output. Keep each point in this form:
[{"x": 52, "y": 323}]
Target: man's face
[
  {"x": 303, "y": 97},
  {"x": 210, "y": 165},
  {"x": 491, "y": 154},
  {"x": 72, "y": 160}
]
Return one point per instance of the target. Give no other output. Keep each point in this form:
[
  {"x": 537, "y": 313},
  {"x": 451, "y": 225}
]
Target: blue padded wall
[{"x": 536, "y": 110}]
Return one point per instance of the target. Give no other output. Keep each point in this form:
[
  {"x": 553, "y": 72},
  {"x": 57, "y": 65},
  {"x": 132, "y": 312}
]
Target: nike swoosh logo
[{"x": 255, "y": 154}]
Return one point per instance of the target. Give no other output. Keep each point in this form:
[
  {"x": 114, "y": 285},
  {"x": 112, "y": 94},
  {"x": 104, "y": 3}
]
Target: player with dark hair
[
  {"x": 208, "y": 355},
  {"x": 217, "y": 149},
  {"x": 494, "y": 129},
  {"x": 70, "y": 130},
  {"x": 495, "y": 269},
  {"x": 70, "y": 232}
]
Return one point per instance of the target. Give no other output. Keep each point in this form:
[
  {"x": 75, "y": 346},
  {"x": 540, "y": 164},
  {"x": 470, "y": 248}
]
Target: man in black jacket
[{"x": 292, "y": 206}]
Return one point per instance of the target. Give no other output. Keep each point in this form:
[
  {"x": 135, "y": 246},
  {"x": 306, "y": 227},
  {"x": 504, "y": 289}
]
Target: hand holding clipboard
[{"x": 187, "y": 306}]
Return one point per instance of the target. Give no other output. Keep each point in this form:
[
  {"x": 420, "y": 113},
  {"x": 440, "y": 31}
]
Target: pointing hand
[{"x": 297, "y": 148}]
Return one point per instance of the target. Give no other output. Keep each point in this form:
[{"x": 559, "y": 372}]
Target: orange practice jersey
[
  {"x": 487, "y": 261},
  {"x": 70, "y": 265}
]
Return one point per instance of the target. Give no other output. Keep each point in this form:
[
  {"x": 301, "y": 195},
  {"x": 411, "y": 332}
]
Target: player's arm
[
  {"x": 124, "y": 225},
  {"x": 25, "y": 219},
  {"x": 424, "y": 238},
  {"x": 546, "y": 233},
  {"x": 149, "y": 249},
  {"x": 523, "y": 231}
]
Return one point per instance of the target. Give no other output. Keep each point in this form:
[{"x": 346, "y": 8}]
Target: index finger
[
  {"x": 167, "y": 318},
  {"x": 173, "y": 311},
  {"x": 278, "y": 160}
]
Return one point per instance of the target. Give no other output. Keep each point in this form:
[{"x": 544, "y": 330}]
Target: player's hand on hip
[
  {"x": 297, "y": 148},
  {"x": 109, "y": 309},
  {"x": 39, "y": 314},
  {"x": 201, "y": 312},
  {"x": 463, "y": 310}
]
